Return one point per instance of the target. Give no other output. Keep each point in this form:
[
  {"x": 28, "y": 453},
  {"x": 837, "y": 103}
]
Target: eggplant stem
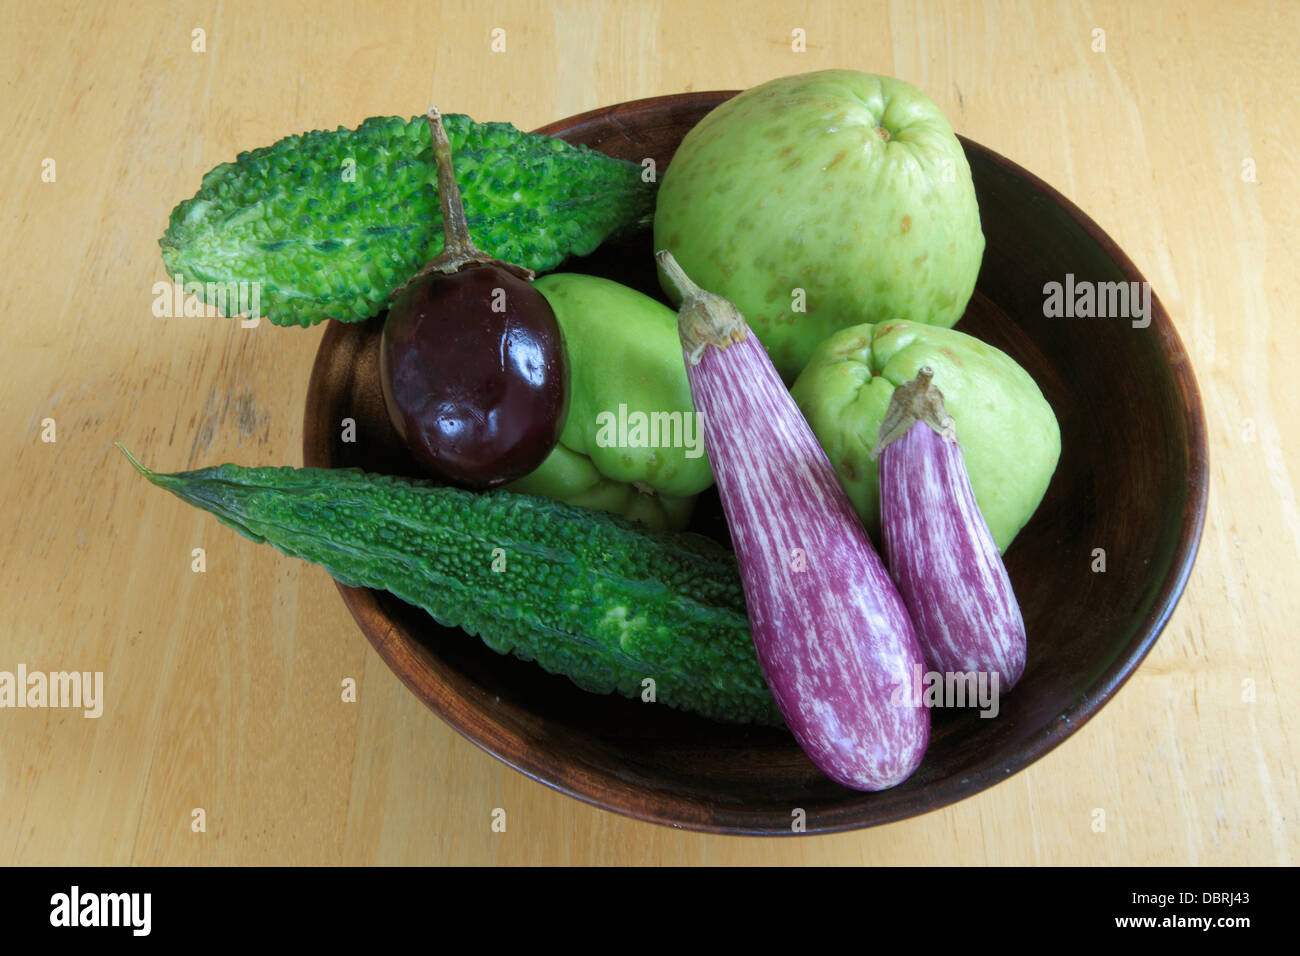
[
  {"x": 704, "y": 319},
  {"x": 457, "y": 241},
  {"x": 915, "y": 401},
  {"x": 458, "y": 249}
]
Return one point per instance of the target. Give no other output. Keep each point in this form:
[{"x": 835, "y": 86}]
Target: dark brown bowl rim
[{"x": 659, "y": 807}]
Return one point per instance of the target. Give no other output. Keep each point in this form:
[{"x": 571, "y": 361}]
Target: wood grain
[{"x": 223, "y": 688}]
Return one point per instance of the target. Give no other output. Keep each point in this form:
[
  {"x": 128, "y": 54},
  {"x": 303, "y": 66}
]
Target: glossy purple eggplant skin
[
  {"x": 479, "y": 394},
  {"x": 942, "y": 556},
  {"x": 831, "y": 631}
]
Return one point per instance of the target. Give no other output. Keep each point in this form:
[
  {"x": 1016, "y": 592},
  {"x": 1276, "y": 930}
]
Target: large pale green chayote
[
  {"x": 823, "y": 200},
  {"x": 1008, "y": 434},
  {"x": 632, "y": 443}
]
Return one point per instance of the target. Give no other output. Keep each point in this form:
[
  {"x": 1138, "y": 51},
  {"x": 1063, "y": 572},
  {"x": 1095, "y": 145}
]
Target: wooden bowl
[{"x": 1131, "y": 480}]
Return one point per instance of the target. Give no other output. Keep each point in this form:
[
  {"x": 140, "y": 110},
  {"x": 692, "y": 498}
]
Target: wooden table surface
[{"x": 222, "y": 688}]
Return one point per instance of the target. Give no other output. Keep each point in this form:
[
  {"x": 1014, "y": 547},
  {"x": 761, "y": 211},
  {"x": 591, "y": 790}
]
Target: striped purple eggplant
[
  {"x": 938, "y": 545},
  {"x": 831, "y": 631}
]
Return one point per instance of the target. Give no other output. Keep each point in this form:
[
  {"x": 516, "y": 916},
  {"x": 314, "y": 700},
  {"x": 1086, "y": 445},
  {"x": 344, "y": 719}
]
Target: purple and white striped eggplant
[
  {"x": 938, "y": 545},
  {"x": 831, "y": 631}
]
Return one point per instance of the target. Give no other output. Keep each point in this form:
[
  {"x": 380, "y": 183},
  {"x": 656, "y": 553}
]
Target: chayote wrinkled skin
[
  {"x": 820, "y": 201},
  {"x": 1009, "y": 436},
  {"x": 632, "y": 443}
]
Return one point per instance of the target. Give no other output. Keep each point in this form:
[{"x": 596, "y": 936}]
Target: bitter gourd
[
  {"x": 583, "y": 593},
  {"x": 331, "y": 223}
]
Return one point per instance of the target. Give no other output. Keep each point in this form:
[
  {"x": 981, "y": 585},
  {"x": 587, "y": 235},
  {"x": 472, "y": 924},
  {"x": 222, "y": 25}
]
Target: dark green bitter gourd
[
  {"x": 331, "y": 223},
  {"x": 583, "y": 593}
]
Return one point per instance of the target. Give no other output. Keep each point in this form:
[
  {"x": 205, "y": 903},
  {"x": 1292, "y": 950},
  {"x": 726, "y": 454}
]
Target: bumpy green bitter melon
[
  {"x": 331, "y": 223},
  {"x": 583, "y": 593}
]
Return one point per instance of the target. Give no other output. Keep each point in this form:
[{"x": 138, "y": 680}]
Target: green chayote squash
[
  {"x": 1008, "y": 433},
  {"x": 632, "y": 443}
]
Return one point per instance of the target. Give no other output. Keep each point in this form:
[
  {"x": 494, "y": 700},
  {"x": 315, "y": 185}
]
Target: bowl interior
[{"x": 1131, "y": 481}]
